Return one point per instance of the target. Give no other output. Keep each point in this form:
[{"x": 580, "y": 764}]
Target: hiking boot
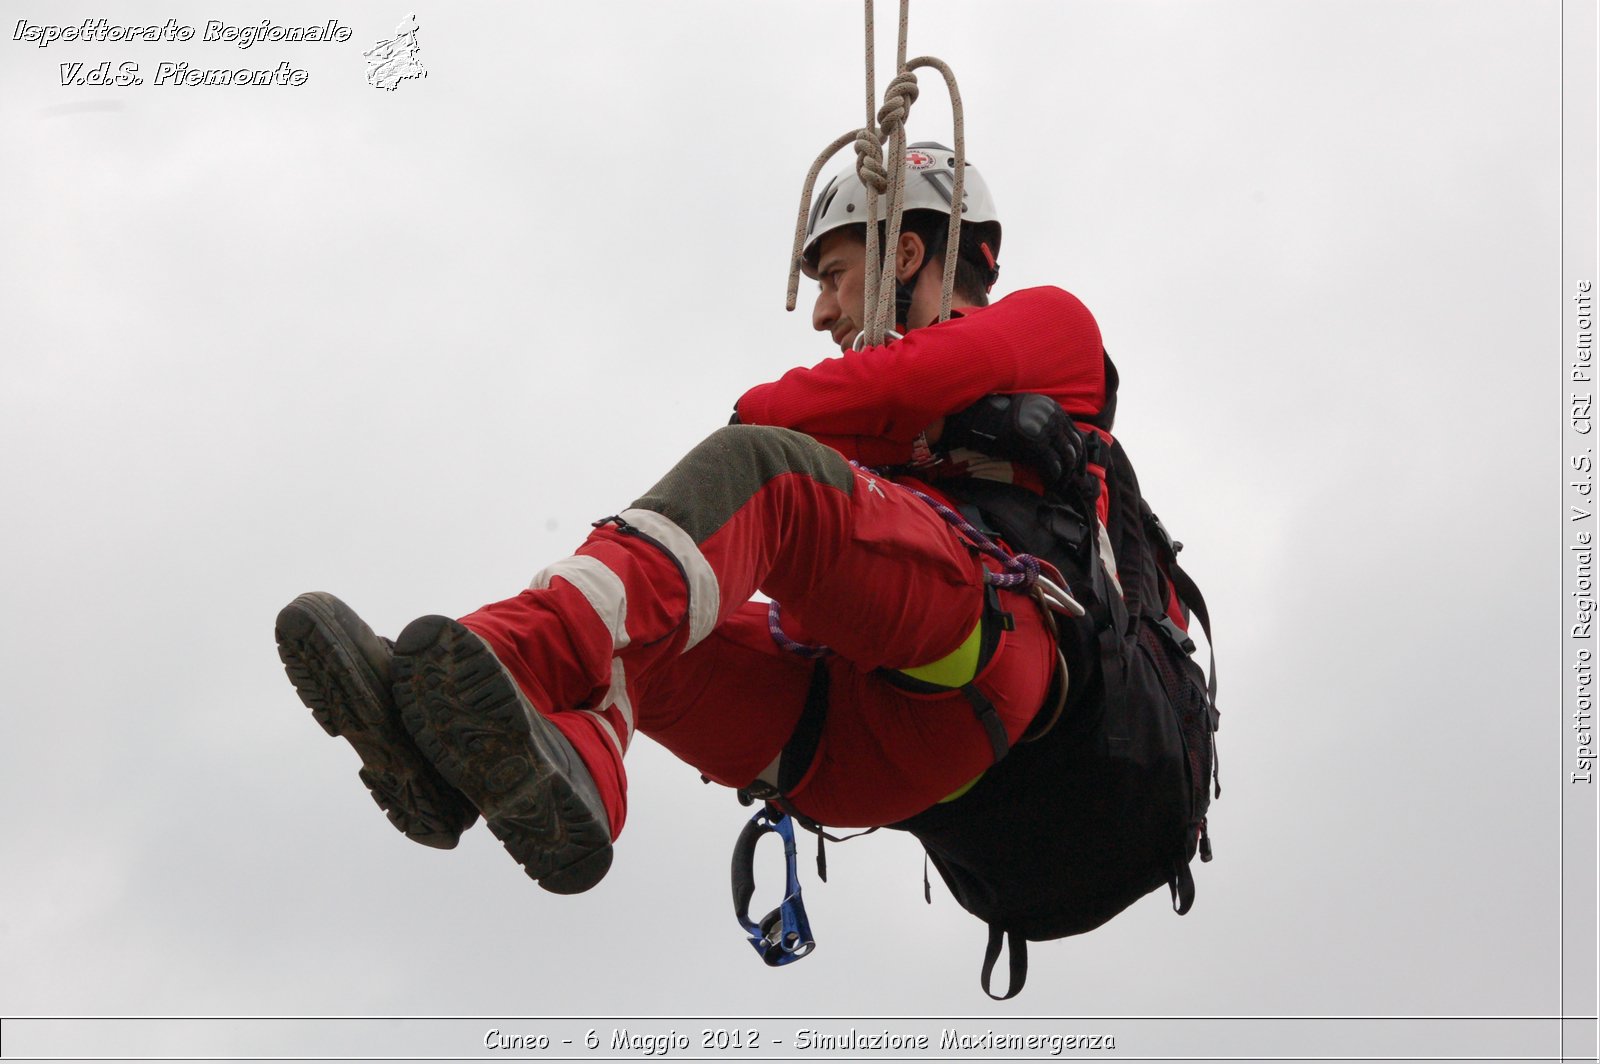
[
  {"x": 344, "y": 675},
  {"x": 471, "y": 719}
]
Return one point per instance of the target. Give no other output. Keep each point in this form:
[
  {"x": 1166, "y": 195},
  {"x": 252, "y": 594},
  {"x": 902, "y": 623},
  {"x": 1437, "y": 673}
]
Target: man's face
[{"x": 841, "y": 283}]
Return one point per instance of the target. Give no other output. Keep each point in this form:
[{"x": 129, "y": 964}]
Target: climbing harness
[
  {"x": 784, "y": 934},
  {"x": 1021, "y": 572}
]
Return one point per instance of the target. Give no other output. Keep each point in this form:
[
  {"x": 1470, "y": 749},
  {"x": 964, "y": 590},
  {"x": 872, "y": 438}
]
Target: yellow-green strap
[
  {"x": 963, "y": 789},
  {"x": 957, "y": 668}
]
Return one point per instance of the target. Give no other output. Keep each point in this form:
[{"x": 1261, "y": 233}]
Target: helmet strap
[
  {"x": 994, "y": 267},
  {"x": 903, "y": 290}
]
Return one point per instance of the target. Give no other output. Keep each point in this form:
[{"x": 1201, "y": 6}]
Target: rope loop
[
  {"x": 958, "y": 192},
  {"x": 887, "y": 177}
]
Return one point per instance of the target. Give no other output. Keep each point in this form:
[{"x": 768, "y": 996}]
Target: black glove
[{"x": 1029, "y": 428}]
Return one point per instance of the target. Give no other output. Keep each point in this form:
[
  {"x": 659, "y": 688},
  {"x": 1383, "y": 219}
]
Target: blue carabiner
[{"x": 783, "y": 935}]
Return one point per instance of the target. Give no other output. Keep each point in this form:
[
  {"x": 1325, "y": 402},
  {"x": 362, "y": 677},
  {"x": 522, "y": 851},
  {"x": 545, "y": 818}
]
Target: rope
[
  {"x": 805, "y": 211},
  {"x": 897, "y": 101},
  {"x": 1021, "y": 570},
  {"x": 953, "y": 240},
  {"x": 887, "y": 124},
  {"x": 775, "y": 627},
  {"x": 876, "y": 180},
  {"x": 877, "y": 176}
]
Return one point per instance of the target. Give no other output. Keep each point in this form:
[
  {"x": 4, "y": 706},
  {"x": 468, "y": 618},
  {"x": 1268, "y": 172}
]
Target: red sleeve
[
  {"x": 870, "y": 450},
  {"x": 1037, "y": 340}
]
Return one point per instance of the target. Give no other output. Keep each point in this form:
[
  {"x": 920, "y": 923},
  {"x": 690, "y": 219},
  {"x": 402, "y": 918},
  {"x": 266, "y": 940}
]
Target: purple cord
[
  {"x": 805, "y": 650},
  {"x": 1021, "y": 570}
]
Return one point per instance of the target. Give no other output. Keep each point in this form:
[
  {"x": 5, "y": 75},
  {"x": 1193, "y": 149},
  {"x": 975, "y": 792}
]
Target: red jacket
[{"x": 871, "y": 405}]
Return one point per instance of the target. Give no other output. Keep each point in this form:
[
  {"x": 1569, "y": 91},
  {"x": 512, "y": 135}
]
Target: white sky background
[{"x": 405, "y": 346}]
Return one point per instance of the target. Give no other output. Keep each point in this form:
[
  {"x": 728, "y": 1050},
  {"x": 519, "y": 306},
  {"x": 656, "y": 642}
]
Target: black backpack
[{"x": 1110, "y": 803}]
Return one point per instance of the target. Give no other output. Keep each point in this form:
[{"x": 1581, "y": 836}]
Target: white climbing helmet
[{"x": 930, "y": 177}]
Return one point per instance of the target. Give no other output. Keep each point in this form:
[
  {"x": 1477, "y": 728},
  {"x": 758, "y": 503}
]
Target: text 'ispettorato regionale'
[{"x": 170, "y": 72}]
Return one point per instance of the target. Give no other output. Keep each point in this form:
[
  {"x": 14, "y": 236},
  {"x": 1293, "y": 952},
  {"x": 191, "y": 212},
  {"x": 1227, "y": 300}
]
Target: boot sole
[
  {"x": 350, "y": 701},
  {"x": 469, "y": 718}
]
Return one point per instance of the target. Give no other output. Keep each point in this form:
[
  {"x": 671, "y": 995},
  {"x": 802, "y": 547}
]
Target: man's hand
[{"x": 1028, "y": 428}]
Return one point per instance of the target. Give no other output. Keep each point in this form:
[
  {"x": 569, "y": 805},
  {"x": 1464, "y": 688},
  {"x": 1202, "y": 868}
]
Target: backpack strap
[
  {"x": 1018, "y": 961},
  {"x": 1191, "y": 598},
  {"x": 1181, "y": 883},
  {"x": 1106, "y": 417},
  {"x": 1189, "y": 594},
  {"x": 1130, "y": 543}
]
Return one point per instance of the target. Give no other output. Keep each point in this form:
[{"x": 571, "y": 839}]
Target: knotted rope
[
  {"x": 881, "y": 177},
  {"x": 888, "y": 124},
  {"x": 879, "y": 299}
]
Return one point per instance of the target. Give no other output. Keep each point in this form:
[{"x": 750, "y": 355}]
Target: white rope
[
  {"x": 869, "y": 167},
  {"x": 879, "y": 176},
  {"x": 878, "y": 297},
  {"x": 952, "y": 244},
  {"x": 806, "y": 191}
]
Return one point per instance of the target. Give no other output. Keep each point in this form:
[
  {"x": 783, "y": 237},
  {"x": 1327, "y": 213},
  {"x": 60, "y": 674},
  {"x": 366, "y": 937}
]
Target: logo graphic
[
  {"x": 918, "y": 159},
  {"x": 392, "y": 61},
  {"x": 872, "y": 486}
]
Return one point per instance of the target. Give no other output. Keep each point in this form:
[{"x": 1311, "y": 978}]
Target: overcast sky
[{"x": 404, "y": 346}]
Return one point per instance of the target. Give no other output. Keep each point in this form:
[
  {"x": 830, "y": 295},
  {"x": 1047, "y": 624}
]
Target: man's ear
[{"x": 909, "y": 256}]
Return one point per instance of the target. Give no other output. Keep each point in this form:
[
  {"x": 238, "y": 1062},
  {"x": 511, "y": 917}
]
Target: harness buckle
[
  {"x": 1153, "y": 525},
  {"x": 1176, "y": 634},
  {"x": 1095, "y": 449},
  {"x": 758, "y": 790}
]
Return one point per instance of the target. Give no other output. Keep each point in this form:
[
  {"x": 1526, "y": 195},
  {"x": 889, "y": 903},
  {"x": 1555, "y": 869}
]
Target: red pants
[{"x": 649, "y": 627}]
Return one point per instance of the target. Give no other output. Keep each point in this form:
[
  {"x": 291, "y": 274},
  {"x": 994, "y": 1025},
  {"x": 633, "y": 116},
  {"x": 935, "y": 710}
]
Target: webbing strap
[
  {"x": 966, "y": 661},
  {"x": 1018, "y": 965},
  {"x": 993, "y": 726},
  {"x": 1182, "y": 886},
  {"x": 1189, "y": 594},
  {"x": 801, "y": 749}
]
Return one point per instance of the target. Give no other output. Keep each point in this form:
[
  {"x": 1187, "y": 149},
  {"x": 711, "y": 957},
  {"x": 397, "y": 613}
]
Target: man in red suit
[{"x": 522, "y": 711}]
